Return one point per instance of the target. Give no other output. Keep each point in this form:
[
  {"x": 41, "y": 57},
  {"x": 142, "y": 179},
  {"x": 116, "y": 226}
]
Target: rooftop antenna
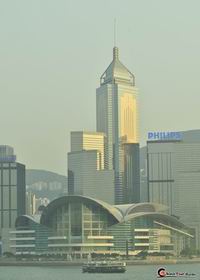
[
  {"x": 115, "y": 32},
  {"x": 115, "y": 49}
]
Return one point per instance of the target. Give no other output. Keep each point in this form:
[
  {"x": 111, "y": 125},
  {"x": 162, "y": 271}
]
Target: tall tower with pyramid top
[{"x": 117, "y": 117}]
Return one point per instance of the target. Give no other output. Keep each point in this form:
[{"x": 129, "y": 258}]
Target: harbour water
[{"x": 136, "y": 272}]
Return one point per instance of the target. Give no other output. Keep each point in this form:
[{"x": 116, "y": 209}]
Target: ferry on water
[{"x": 104, "y": 267}]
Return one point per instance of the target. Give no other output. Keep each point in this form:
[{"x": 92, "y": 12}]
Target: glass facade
[
  {"x": 79, "y": 222},
  {"x": 173, "y": 177},
  {"x": 80, "y": 225},
  {"x": 161, "y": 174},
  {"x": 12, "y": 187},
  {"x": 85, "y": 178},
  {"x": 117, "y": 117},
  {"x": 30, "y": 237}
]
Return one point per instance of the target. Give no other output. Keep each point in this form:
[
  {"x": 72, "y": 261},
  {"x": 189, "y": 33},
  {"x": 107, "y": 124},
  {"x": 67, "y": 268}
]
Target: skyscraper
[
  {"x": 174, "y": 175},
  {"x": 84, "y": 140},
  {"x": 12, "y": 187},
  {"x": 117, "y": 117},
  {"x": 86, "y": 173}
]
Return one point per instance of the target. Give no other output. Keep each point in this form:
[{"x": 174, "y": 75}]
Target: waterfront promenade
[{"x": 9, "y": 262}]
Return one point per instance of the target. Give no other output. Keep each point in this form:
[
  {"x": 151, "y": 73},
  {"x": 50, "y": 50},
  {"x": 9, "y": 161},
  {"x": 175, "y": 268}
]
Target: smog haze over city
[{"x": 52, "y": 56}]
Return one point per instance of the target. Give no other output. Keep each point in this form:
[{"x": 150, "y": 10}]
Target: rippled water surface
[{"x": 139, "y": 272}]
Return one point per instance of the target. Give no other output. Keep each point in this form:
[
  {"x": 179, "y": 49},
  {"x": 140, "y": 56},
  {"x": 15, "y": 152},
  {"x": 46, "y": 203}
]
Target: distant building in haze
[
  {"x": 30, "y": 203},
  {"x": 44, "y": 183}
]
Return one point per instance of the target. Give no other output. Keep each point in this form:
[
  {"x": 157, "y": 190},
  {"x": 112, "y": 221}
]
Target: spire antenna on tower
[
  {"x": 115, "y": 49},
  {"x": 115, "y": 32}
]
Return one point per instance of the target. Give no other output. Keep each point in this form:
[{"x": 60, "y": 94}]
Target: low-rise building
[{"x": 81, "y": 225}]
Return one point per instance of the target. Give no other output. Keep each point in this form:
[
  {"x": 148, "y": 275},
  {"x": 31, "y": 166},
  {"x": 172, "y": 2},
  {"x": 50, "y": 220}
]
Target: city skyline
[{"x": 45, "y": 74}]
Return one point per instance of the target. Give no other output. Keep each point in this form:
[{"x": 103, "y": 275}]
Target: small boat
[{"x": 104, "y": 267}]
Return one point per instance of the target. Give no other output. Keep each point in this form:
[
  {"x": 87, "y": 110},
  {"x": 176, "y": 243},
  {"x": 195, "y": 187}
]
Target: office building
[
  {"x": 86, "y": 141},
  {"x": 86, "y": 173},
  {"x": 174, "y": 177},
  {"x": 117, "y": 118},
  {"x": 12, "y": 187}
]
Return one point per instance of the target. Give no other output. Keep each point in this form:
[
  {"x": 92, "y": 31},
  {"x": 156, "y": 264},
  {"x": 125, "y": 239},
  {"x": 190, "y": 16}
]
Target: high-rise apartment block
[
  {"x": 12, "y": 188},
  {"x": 117, "y": 118}
]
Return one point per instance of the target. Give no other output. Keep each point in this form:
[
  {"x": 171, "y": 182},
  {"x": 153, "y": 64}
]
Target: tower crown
[{"x": 117, "y": 72}]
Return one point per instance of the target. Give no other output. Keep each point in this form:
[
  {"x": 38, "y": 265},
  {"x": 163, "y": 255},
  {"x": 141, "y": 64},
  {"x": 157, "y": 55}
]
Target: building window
[
  {"x": 13, "y": 217},
  {"x": 76, "y": 219},
  {"x": 6, "y": 222},
  {"x": 13, "y": 198},
  {"x": 13, "y": 176},
  {"x": 6, "y": 198},
  {"x": 6, "y": 177}
]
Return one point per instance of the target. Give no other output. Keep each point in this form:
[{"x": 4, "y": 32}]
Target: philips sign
[{"x": 164, "y": 136}]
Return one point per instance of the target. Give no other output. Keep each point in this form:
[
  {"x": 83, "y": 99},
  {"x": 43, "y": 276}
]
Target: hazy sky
[{"x": 52, "y": 53}]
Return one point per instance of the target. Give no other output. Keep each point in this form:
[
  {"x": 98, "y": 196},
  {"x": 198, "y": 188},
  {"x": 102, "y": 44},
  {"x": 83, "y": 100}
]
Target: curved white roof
[
  {"x": 59, "y": 201},
  {"x": 121, "y": 213},
  {"x": 127, "y": 209},
  {"x": 164, "y": 217}
]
